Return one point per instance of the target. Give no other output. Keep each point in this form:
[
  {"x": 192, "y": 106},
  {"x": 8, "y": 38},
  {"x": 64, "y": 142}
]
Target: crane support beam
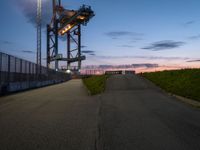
[{"x": 71, "y": 60}]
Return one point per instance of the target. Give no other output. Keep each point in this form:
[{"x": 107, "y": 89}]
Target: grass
[
  {"x": 184, "y": 83},
  {"x": 95, "y": 84}
]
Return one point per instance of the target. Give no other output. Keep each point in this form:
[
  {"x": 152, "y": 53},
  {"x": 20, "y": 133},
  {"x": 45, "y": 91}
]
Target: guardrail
[{"x": 17, "y": 74}]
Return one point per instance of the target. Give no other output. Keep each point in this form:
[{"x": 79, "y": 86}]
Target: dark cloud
[
  {"x": 148, "y": 65},
  {"x": 119, "y": 34},
  {"x": 164, "y": 45},
  {"x": 6, "y": 42},
  {"x": 126, "y": 46},
  {"x": 83, "y": 46},
  {"x": 188, "y": 23},
  {"x": 88, "y": 52},
  {"x": 29, "y": 52},
  {"x": 193, "y": 60},
  {"x": 92, "y": 54},
  {"x": 29, "y": 9},
  {"x": 125, "y": 66},
  {"x": 145, "y": 57},
  {"x": 195, "y": 37}
]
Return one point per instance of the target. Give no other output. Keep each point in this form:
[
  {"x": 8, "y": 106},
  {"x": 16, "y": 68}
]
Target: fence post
[
  {"x": 29, "y": 73},
  {"x": 25, "y": 72},
  {"x": 20, "y": 73},
  {"x": 0, "y": 68},
  {"x": 8, "y": 75},
  {"x": 15, "y": 72},
  {"x": 15, "y": 64}
]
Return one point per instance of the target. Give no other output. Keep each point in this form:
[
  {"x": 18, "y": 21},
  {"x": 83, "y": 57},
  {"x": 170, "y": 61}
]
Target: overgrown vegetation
[
  {"x": 95, "y": 84},
  {"x": 185, "y": 83}
]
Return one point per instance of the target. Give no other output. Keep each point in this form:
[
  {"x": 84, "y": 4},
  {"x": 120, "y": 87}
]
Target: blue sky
[{"x": 166, "y": 32}]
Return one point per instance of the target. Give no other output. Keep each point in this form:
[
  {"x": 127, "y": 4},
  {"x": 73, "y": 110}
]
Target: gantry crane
[{"x": 66, "y": 23}]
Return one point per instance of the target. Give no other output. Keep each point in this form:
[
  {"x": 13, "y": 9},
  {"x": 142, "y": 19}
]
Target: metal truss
[{"x": 66, "y": 23}]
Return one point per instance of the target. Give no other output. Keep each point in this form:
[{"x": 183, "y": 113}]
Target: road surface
[
  {"x": 132, "y": 114},
  {"x": 135, "y": 115},
  {"x": 60, "y": 117}
]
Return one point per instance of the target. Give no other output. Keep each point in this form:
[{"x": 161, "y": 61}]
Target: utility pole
[{"x": 39, "y": 35}]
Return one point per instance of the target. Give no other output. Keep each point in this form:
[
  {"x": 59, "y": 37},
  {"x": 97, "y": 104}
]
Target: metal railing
[{"x": 17, "y": 74}]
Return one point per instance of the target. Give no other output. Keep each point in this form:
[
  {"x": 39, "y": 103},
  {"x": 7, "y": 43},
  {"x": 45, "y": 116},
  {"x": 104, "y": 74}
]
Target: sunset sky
[{"x": 165, "y": 32}]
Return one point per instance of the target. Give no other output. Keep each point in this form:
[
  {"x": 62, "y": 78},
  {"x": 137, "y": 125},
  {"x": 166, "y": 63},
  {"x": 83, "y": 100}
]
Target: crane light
[
  {"x": 81, "y": 17},
  {"x": 66, "y": 29},
  {"x": 70, "y": 18}
]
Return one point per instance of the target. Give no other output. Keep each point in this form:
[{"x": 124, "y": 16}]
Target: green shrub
[{"x": 95, "y": 84}]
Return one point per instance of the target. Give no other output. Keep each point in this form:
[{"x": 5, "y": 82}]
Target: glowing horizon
[{"x": 158, "y": 32}]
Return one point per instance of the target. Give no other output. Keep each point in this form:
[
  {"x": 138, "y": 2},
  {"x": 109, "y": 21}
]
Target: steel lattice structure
[
  {"x": 39, "y": 33},
  {"x": 66, "y": 23}
]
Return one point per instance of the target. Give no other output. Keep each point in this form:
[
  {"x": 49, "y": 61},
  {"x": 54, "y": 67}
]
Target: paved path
[
  {"x": 131, "y": 115},
  {"x": 60, "y": 117},
  {"x": 135, "y": 115}
]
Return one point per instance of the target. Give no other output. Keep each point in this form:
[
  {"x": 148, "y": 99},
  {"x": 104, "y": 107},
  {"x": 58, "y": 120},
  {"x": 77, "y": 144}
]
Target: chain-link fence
[{"x": 18, "y": 74}]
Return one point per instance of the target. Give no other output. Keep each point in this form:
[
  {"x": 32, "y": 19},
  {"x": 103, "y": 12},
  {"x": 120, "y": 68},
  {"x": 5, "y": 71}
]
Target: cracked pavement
[{"x": 131, "y": 114}]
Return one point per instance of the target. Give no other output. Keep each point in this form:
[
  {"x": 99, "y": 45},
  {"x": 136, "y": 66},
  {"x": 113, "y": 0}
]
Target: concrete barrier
[{"x": 21, "y": 86}]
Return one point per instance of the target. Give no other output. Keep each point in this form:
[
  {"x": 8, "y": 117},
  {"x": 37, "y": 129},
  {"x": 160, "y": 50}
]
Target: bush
[{"x": 95, "y": 84}]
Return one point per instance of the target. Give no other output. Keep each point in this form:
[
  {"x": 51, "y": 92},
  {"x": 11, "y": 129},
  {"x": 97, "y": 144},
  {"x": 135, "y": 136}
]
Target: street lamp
[{"x": 39, "y": 35}]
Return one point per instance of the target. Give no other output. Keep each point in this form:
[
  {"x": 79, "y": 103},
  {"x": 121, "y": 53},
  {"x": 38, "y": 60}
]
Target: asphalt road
[
  {"x": 60, "y": 117},
  {"x": 132, "y": 114},
  {"x": 135, "y": 115}
]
